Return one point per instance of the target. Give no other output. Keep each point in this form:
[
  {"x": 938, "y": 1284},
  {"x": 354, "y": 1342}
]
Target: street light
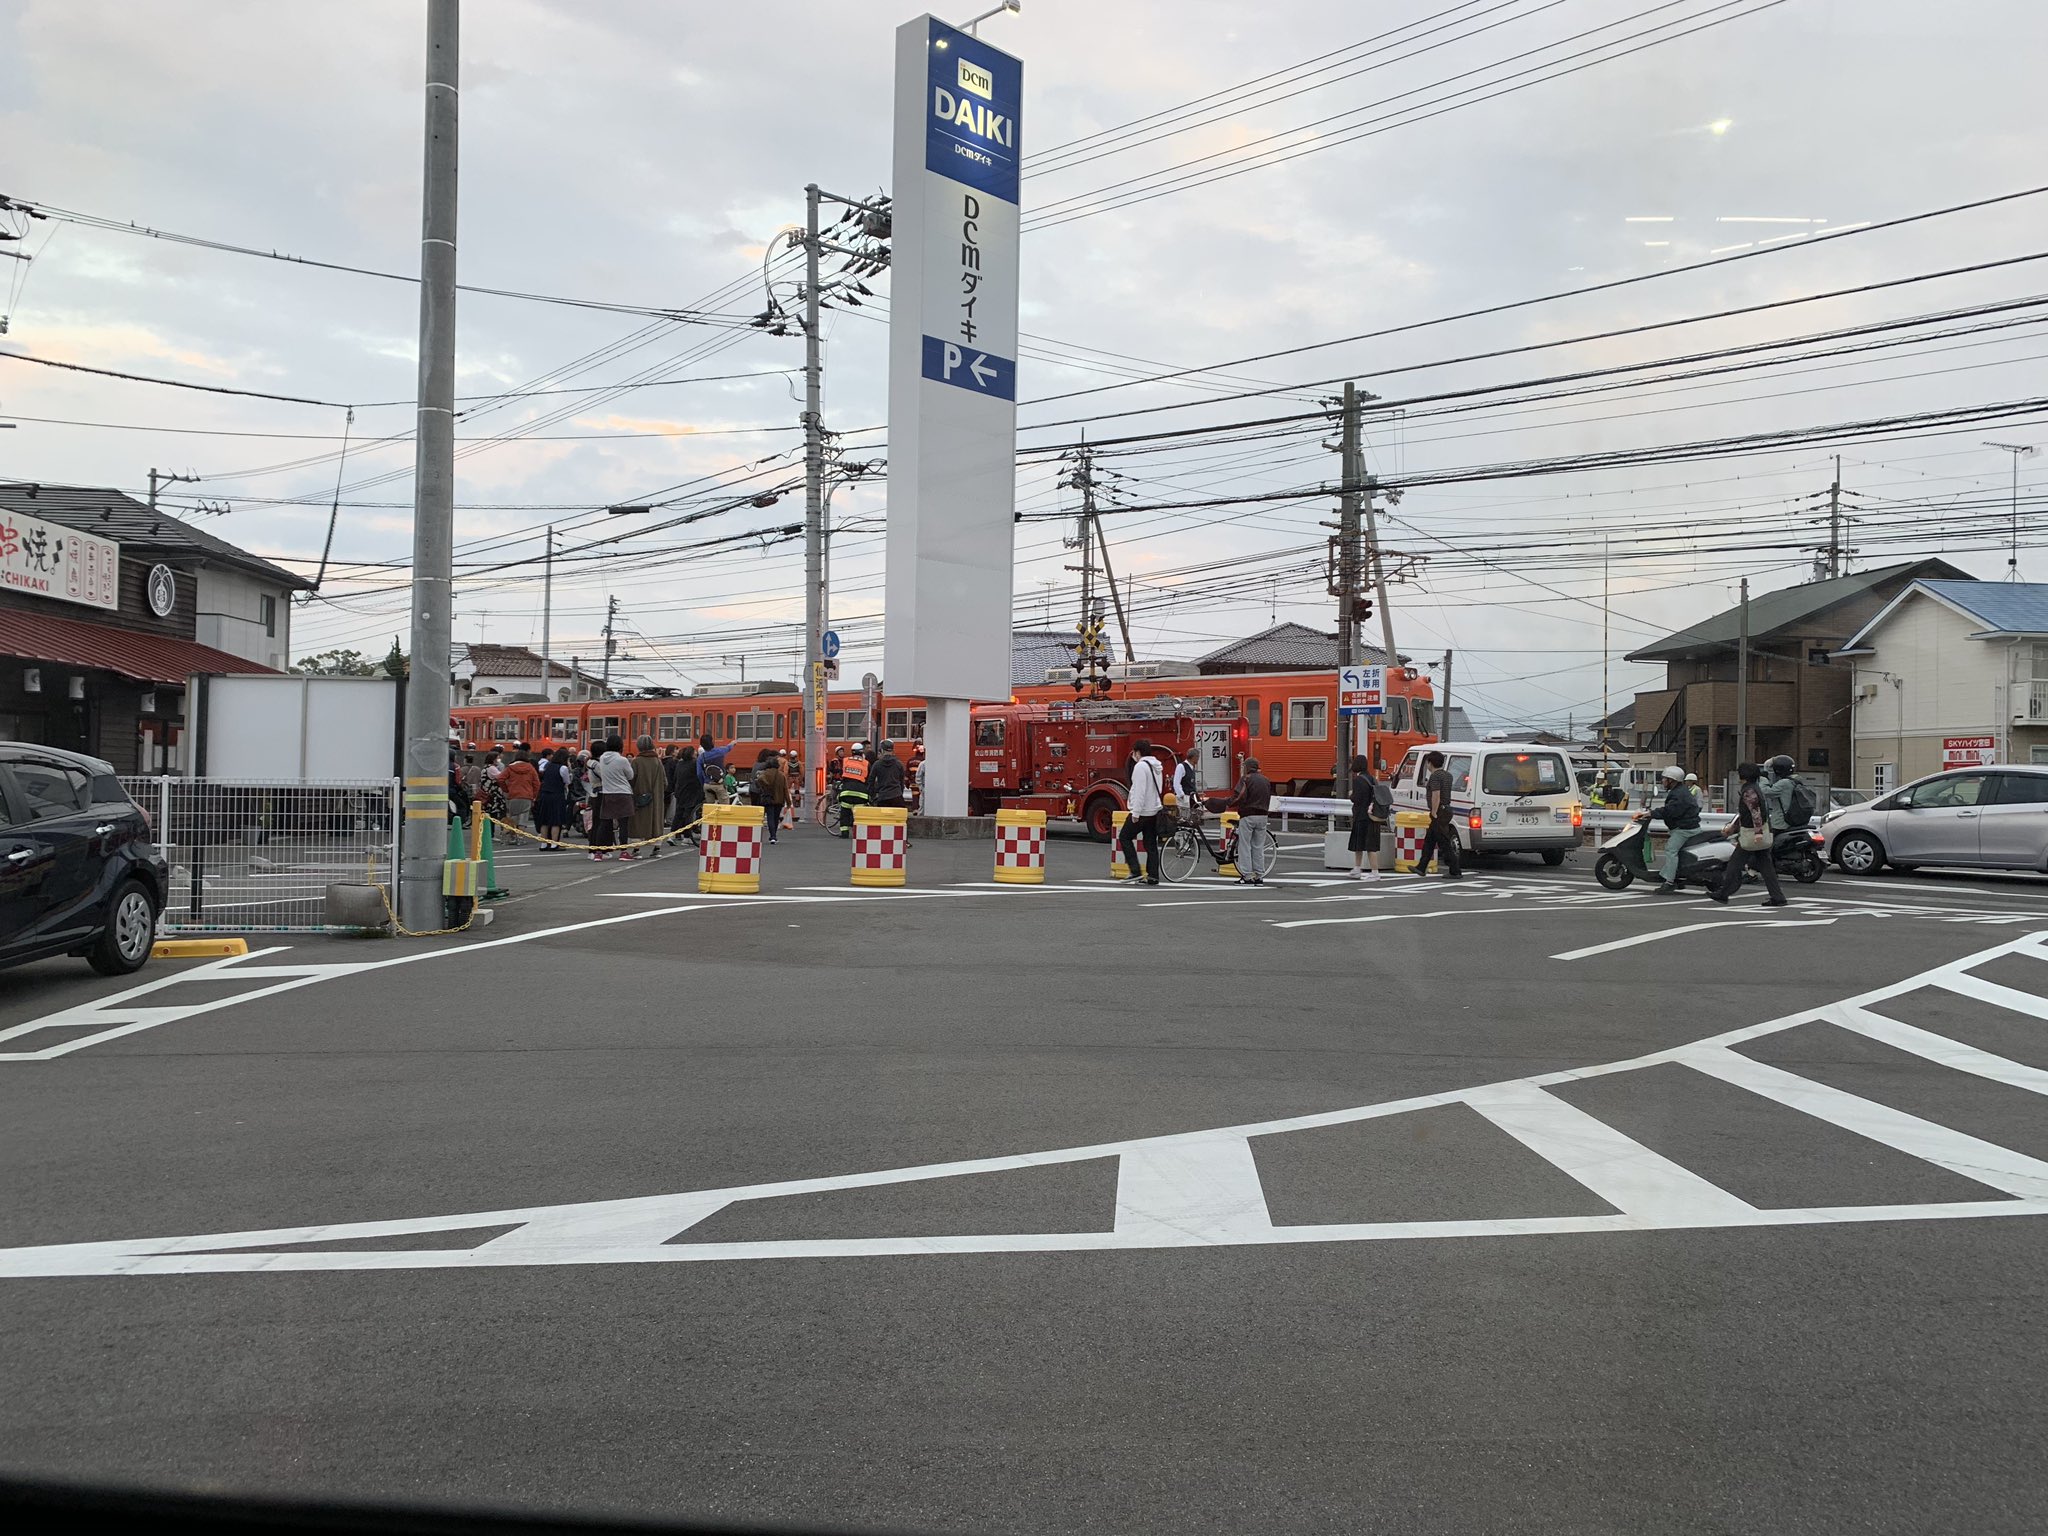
[
  {"x": 2018, "y": 451},
  {"x": 968, "y": 27}
]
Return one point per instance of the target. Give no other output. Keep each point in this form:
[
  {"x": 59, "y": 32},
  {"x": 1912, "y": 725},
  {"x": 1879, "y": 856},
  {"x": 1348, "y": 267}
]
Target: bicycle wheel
[{"x": 1178, "y": 854}]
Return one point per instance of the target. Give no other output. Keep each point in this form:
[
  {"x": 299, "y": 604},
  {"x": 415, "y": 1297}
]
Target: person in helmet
[
  {"x": 853, "y": 785},
  {"x": 1680, "y": 813},
  {"x": 1692, "y": 787},
  {"x": 1778, "y": 786}
]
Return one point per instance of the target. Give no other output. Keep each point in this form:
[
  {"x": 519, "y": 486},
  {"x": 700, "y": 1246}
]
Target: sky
[{"x": 1248, "y": 181}]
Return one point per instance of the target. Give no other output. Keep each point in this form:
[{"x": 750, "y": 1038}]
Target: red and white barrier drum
[
  {"x": 1118, "y": 869},
  {"x": 1020, "y": 847},
  {"x": 881, "y": 838},
  {"x": 731, "y": 863},
  {"x": 1410, "y": 828}
]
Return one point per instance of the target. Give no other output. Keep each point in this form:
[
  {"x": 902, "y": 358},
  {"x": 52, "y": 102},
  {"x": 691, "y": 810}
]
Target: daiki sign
[{"x": 952, "y": 381}]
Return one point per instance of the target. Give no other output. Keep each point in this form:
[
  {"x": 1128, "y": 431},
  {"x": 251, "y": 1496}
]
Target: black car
[{"x": 78, "y": 873}]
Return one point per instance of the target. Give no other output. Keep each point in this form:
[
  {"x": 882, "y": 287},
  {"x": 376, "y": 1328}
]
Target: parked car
[
  {"x": 1991, "y": 818},
  {"x": 78, "y": 873}
]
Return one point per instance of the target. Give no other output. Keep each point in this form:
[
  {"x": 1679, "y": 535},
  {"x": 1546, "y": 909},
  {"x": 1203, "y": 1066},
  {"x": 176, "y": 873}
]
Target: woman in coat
[
  {"x": 551, "y": 809},
  {"x": 771, "y": 792},
  {"x": 650, "y": 793},
  {"x": 687, "y": 804}
]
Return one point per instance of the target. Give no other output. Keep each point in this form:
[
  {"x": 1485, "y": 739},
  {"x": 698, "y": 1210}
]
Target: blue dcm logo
[{"x": 984, "y": 373}]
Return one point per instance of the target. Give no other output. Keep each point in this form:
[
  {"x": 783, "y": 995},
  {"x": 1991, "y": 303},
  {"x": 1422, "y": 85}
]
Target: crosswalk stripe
[
  {"x": 1987, "y": 1163},
  {"x": 1939, "y": 1049},
  {"x": 1966, "y": 985}
]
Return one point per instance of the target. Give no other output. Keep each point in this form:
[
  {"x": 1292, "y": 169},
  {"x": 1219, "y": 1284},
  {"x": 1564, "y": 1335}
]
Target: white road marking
[
  {"x": 1395, "y": 917},
  {"x": 1198, "y": 1188},
  {"x": 1684, "y": 928}
]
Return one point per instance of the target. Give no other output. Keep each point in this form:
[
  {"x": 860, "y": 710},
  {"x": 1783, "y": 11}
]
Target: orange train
[{"x": 1289, "y": 718}]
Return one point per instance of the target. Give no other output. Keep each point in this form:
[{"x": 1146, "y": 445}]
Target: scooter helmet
[
  {"x": 1674, "y": 774},
  {"x": 1780, "y": 766}
]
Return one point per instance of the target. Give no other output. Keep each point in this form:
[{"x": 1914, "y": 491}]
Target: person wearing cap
[
  {"x": 1692, "y": 787},
  {"x": 1680, "y": 814},
  {"x": 885, "y": 781}
]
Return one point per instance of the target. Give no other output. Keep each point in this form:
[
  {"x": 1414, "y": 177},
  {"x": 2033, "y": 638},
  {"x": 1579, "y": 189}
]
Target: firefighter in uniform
[{"x": 853, "y": 786}]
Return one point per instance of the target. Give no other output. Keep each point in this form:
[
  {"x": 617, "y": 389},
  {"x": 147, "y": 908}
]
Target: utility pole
[
  {"x": 1443, "y": 726},
  {"x": 1835, "y": 521},
  {"x": 2018, "y": 451},
  {"x": 1606, "y": 613},
  {"x": 156, "y": 479},
  {"x": 814, "y": 508},
  {"x": 1742, "y": 681},
  {"x": 1116, "y": 601},
  {"x": 611, "y": 612},
  {"x": 547, "y": 614},
  {"x": 424, "y": 846},
  {"x": 1348, "y": 573},
  {"x": 1091, "y": 672},
  {"x": 1379, "y": 568}
]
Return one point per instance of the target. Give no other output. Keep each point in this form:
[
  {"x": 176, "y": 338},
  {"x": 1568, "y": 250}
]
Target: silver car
[{"x": 1992, "y": 818}]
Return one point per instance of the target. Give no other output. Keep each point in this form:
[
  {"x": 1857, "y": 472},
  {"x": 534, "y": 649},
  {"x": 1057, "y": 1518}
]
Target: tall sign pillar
[{"x": 952, "y": 387}]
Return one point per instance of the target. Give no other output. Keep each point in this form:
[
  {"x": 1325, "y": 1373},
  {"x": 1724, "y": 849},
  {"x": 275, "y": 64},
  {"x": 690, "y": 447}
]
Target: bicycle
[{"x": 1181, "y": 852}]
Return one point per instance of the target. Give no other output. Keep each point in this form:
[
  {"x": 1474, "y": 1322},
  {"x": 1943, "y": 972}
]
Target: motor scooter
[{"x": 1625, "y": 858}]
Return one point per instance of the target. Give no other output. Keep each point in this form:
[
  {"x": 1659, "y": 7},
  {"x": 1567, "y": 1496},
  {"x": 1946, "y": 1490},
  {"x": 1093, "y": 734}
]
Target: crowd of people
[{"x": 621, "y": 805}]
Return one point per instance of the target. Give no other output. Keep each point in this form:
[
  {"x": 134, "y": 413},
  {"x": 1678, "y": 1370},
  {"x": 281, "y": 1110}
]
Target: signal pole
[{"x": 424, "y": 843}]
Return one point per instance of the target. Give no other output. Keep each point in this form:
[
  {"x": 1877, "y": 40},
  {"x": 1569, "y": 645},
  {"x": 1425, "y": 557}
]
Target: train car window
[
  {"x": 563, "y": 728},
  {"x": 602, "y": 726},
  {"x": 1308, "y": 719},
  {"x": 1396, "y": 717},
  {"x": 1251, "y": 716},
  {"x": 504, "y": 730},
  {"x": 1425, "y": 716},
  {"x": 1276, "y": 718}
]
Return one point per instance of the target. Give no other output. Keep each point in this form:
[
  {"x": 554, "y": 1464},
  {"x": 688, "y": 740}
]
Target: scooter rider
[
  {"x": 1778, "y": 788},
  {"x": 1680, "y": 814}
]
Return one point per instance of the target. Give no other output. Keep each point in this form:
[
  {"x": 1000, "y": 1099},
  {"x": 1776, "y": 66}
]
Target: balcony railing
[{"x": 2030, "y": 701}]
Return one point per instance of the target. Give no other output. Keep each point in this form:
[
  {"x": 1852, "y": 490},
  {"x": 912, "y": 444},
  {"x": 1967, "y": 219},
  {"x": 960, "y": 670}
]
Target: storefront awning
[{"x": 36, "y": 637}]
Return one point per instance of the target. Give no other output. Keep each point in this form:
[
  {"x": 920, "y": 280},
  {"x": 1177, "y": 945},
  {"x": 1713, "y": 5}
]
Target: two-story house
[
  {"x": 1950, "y": 674},
  {"x": 1798, "y": 697}
]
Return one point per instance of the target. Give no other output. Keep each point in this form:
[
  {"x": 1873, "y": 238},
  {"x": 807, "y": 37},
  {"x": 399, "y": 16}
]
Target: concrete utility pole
[
  {"x": 424, "y": 846},
  {"x": 1835, "y": 521},
  {"x": 156, "y": 479},
  {"x": 547, "y": 614},
  {"x": 611, "y": 612},
  {"x": 1116, "y": 598},
  {"x": 1742, "y": 681},
  {"x": 1379, "y": 569},
  {"x": 814, "y": 508},
  {"x": 1443, "y": 726},
  {"x": 1348, "y": 573}
]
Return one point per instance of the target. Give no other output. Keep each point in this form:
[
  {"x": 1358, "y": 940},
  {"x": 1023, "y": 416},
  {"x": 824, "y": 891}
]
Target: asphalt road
[{"x": 1432, "y": 1268}]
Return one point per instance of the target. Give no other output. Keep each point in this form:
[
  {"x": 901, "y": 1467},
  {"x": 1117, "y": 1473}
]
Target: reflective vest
[{"x": 853, "y": 780}]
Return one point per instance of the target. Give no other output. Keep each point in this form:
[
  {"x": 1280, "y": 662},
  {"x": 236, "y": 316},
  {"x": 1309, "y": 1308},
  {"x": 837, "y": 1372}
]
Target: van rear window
[{"x": 1525, "y": 773}]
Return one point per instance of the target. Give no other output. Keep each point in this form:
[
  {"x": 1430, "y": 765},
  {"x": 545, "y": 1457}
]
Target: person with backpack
[
  {"x": 1753, "y": 840},
  {"x": 1372, "y": 808},
  {"x": 1787, "y": 797},
  {"x": 711, "y": 769}
]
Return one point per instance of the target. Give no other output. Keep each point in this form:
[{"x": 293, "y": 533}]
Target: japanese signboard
[
  {"x": 1968, "y": 751},
  {"x": 952, "y": 364},
  {"x": 1362, "y": 690},
  {"x": 52, "y": 561}
]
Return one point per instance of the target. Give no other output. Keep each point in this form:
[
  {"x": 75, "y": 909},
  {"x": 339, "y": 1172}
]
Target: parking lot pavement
[{"x": 1504, "y": 1203}]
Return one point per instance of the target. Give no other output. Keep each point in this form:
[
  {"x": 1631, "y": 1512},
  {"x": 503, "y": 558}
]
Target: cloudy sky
[{"x": 1261, "y": 180}]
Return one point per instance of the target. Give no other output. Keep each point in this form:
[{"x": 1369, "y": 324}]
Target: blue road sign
[
  {"x": 830, "y": 645},
  {"x": 983, "y": 373}
]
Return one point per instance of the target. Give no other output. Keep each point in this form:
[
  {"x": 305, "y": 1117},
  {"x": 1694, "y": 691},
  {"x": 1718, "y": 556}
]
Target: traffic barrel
[
  {"x": 1229, "y": 826},
  {"x": 1118, "y": 869},
  {"x": 881, "y": 835},
  {"x": 1410, "y": 827},
  {"x": 731, "y": 860},
  {"x": 1020, "y": 847}
]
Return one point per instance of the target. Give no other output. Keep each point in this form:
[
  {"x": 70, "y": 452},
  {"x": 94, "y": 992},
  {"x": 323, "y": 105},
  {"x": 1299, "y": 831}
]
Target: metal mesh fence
[{"x": 258, "y": 858}]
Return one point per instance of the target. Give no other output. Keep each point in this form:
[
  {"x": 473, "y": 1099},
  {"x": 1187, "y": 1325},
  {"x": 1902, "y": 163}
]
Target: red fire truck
[{"x": 1072, "y": 760}]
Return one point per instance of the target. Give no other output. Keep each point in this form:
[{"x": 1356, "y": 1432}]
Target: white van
[{"x": 1506, "y": 797}]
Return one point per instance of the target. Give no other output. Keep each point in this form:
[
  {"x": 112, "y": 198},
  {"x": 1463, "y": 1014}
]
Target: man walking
[
  {"x": 885, "y": 781},
  {"x": 1253, "y": 802},
  {"x": 1441, "y": 840},
  {"x": 1753, "y": 840},
  {"x": 1148, "y": 794}
]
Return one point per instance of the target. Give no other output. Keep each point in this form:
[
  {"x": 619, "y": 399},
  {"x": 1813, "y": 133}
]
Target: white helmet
[
  {"x": 1674, "y": 774},
  {"x": 858, "y": 749}
]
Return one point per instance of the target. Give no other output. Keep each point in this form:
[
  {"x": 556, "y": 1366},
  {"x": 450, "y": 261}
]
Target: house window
[
  {"x": 1816, "y": 757},
  {"x": 1816, "y": 656},
  {"x": 266, "y": 606},
  {"x": 1308, "y": 719},
  {"x": 2037, "y": 754},
  {"x": 1884, "y": 778}
]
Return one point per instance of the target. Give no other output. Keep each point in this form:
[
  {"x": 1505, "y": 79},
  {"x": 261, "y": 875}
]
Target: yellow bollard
[
  {"x": 731, "y": 862},
  {"x": 1118, "y": 869},
  {"x": 1229, "y": 822},
  {"x": 1020, "y": 847},
  {"x": 880, "y": 838},
  {"x": 1409, "y": 829}
]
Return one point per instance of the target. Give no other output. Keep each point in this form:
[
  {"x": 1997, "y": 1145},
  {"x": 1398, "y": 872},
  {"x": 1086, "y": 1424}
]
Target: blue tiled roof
[{"x": 2007, "y": 607}]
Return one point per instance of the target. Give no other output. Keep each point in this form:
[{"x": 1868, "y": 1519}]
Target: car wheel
[
  {"x": 1859, "y": 853},
  {"x": 1553, "y": 857},
  {"x": 130, "y": 933}
]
